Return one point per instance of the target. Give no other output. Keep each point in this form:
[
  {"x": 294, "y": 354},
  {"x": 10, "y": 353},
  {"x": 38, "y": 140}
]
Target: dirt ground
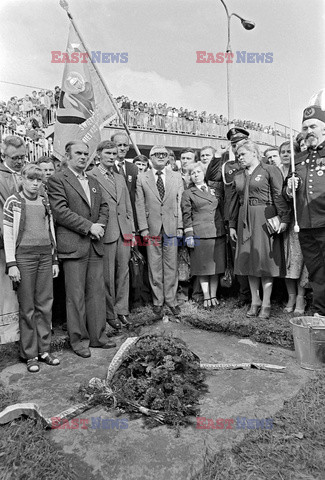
[{"x": 137, "y": 453}]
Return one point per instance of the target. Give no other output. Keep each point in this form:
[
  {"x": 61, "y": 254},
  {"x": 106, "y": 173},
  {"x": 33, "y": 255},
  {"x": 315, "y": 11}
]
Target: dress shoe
[
  {"x": 114, "y": 323},
  {"x": 158, "y": 311},
  {"x": 109, "y": 344},
  {"x": 265, "y": 313},
  {"x": 124, "y": 320},
  {"x": 83, "y": 352},
  {"x": 253, "y": 311},
  {"x": 176, "y": 311}
]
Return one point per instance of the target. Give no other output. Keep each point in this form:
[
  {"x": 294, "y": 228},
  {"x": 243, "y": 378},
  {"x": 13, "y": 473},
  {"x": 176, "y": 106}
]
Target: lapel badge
[
  {"x": 129, "y": 178},
  {"x": 258, "y": 178},
  {"x": 320, "y": 173},
  {"x": 94, "y": 190}
]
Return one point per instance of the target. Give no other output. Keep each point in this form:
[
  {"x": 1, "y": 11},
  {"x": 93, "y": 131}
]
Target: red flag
[{"x": 84, "y": 104}]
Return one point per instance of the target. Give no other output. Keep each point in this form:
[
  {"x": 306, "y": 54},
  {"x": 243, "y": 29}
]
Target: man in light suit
[
  {"x": 158, "y": 206},
  {"x": 118, "y": 235},
  {"x": 81, "y": 216}
]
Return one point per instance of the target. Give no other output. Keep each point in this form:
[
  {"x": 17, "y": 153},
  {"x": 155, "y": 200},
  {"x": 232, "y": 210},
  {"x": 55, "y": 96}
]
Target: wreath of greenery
[{"x": 161, "y": 374}]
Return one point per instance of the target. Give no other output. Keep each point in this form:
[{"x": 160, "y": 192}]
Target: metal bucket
[{"x": 309, "y": 340}]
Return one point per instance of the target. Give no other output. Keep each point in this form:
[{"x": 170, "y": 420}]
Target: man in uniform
[
  {"x": 310, "y": 190},
  {"x": 223, "y": 170}
]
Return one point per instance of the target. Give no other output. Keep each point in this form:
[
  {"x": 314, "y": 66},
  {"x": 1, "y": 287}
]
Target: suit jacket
[
  {"x": 8, "y": 186},
  {"x": 120, "y": 216},
  {"x": 154, "y": 213},
  {"x": 73, "y": 214},
  {"x": 131, "y": 180},
  {"x": 201, "y": 214}
]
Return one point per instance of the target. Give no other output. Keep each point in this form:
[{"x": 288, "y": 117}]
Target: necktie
[
  {"x": 111, "y": 180},
  {"x": 121, "y": 169},
  {"x": 160, "y": 185},
  {"x": 246, "y": 231},
  {"x": 203, "y": 188}
]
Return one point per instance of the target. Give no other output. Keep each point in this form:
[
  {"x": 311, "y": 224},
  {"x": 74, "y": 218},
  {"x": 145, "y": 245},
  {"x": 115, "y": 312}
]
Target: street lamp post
[{"x": 248, "y": 25}]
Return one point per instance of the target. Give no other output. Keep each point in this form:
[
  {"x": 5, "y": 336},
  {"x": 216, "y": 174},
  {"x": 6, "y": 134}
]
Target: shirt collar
[
  {"x": 163, "y": 171},
  {"x": 79, "y": 175},
  {"x": 104, "y": 170}
]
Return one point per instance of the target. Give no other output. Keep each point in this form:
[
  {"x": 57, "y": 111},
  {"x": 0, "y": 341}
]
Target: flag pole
[
  {"x": 293, "y": 168},
  {"x": 64, "y": 4}
]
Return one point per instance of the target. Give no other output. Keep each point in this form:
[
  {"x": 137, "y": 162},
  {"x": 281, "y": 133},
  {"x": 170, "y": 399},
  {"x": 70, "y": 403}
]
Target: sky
[{"x": 162, "y": 37}]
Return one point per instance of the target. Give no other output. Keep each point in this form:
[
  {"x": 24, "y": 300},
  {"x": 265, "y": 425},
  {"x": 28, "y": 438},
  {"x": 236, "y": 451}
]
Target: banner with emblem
[{"x": 84, "y": 105}]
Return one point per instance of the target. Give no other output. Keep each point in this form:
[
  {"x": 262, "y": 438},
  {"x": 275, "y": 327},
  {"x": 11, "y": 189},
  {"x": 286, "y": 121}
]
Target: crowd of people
[
  {"x": 79, "y": 224},
  {"x": 28, "y": 116}
]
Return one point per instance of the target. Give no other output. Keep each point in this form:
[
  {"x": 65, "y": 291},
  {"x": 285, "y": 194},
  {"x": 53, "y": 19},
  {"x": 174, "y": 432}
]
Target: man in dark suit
[
  {"x": 118, "y": 235},
  {"x": 158, "y": 203},
  {"x": 81, "y": 216},
  {"x": 127, "y": 169}
]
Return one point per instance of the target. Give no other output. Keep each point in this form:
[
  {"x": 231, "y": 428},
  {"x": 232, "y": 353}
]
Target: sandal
[
  {"x": 207, "y": 303},
  {"x": 32, "y": 365},
  {"x": 48, "y": 359},
  {"x": 215, "y": 303}
]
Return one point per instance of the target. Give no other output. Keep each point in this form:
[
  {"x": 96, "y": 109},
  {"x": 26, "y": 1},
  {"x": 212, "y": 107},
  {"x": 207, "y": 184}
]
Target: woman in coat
[
  {"x": 256, "y": 197},
  {"x": 205, "y": 234}
]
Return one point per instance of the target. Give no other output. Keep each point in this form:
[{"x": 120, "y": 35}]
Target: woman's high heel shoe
[
  {"x": 289, "y": 308},
  {"x": 207, "y": 303},
  {"x": 214, "y": 302},
  {"x": 265, "y": 313},
  {"x": 253, "y": 311}
]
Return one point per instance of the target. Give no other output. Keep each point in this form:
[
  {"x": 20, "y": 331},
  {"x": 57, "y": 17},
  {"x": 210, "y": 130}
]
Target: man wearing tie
[
  {"x": 118, "y": 234},
  {"x": 127, "y": 169},
  {"x": 81, "y": 216},
  {"x": 158, "y": 205}
]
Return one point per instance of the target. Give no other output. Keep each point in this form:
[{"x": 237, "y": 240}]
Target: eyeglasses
[
  {"x": 160, "y": 154},
  {"x": 16, "y": 157},
  {"x": 122, "y": 145}
]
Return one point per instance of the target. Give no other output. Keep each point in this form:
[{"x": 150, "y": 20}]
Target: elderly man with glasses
[
  {"x": 13, "y": 158},
  {"x": 158, "y": 206}
]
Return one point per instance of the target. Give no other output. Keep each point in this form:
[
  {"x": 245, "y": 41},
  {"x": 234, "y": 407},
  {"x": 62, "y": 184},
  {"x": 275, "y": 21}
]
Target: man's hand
[
  {"x": 55, "y": 271},
  {"x": 97, "y": 230},
  {"x": 145, "y": 232},
  {"x": 190, "y": 242},
  {"x": 14, "y": 274},
  {"x": 179, "y": 232},
  {"x": 290, "y": 183},
  {"x": 233, "y": 234}
]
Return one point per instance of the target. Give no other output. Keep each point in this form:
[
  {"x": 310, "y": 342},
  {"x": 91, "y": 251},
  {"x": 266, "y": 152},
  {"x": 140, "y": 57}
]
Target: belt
[{"x": 255, "y": 201}]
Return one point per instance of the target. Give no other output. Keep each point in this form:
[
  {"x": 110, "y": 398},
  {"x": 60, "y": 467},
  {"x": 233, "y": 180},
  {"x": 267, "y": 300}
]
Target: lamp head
[{"x": 247, "y": 24}]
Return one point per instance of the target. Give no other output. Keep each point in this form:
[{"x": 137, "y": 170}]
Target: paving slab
[{"x": 137, "y": 453}]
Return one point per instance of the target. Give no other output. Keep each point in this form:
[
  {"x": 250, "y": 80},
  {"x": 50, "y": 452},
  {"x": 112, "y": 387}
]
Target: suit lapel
[
  {"x": 105, "y": 184},
  {"x": 206, "y": 195},
  {"x": 151, "y": 181},
  {"x": 169, "y": 182},
  {"x": 74, "y": 182}
]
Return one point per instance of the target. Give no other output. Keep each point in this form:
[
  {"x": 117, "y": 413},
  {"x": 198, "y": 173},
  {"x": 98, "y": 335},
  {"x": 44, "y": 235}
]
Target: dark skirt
[
  {"x": 209, "y": 256},
  {"x": 262, "y": 255}
]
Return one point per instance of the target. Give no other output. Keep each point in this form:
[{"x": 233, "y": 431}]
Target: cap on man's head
[
  {"x": 158, "y": 148},
  {"x": 236, "y": 134},
  {"x": 313, "y": 112}
]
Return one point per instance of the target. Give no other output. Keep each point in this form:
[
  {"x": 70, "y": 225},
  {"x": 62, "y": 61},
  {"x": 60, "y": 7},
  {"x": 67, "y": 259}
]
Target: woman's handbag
[
  {"x": 228, "y": 278},
  {"x": 136, "y": 263}
]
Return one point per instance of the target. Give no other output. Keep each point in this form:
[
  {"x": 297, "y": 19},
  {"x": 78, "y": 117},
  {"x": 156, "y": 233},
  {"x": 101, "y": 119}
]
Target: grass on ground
[
  {"x": 27, "y": 452},
  {"x": 293, "y": 450}
]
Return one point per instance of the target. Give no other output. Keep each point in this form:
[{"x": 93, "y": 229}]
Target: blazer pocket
[{"x": 66, "y": 243}]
